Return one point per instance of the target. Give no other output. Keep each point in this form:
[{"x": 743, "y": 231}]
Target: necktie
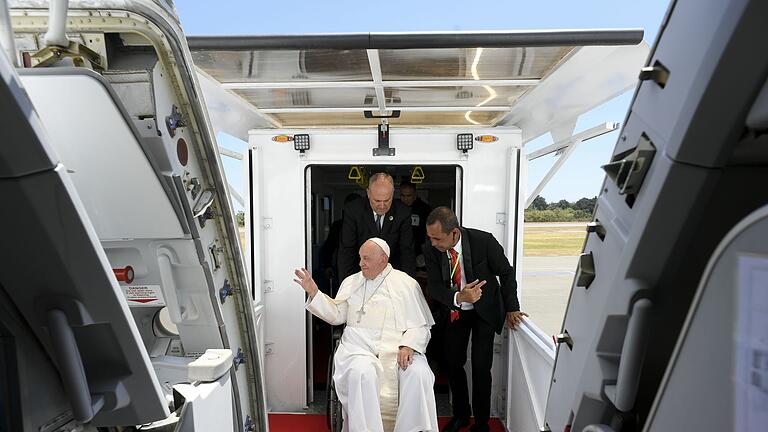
[
  {"x": 378, "y": 223},
  {"x": 456, "y": 277}
]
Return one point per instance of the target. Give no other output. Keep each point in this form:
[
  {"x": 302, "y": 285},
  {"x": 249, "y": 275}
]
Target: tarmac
[{"x": 545, "y": 289}]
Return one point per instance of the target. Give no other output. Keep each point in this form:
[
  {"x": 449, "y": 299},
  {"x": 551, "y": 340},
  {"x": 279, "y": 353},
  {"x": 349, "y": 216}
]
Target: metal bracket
[
  {"x": 564, "y": 148},
  {"x": 80, "y": 54},
  {"x": 564, "y": 338},
  {"x": 383, "y": 149},
  {"x": 628, "y": 169},
  {"x": 393, "y": 114},
  {"x": 239, "y": 358},
  {"x": 269, "y": 286},
  {"x": 586, "y": 272},
  {"x": 656, "y": 73},
  {"x": 215, "y": 250},
  {"x": 174, "y": 121},
  {"x": 225, "y": 291},
  {"x": 249, "y": 425},
  {"x": 597, "y": 228}
]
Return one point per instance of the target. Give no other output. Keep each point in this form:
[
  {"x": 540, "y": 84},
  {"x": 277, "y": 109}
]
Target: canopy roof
[{"x": 433, "y": 79}]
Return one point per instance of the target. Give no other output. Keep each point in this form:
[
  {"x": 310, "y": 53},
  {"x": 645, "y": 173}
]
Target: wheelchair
[{"x": 334, "y": 417}]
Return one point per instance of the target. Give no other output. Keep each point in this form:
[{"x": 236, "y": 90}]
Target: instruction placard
[
  {"x": 751, "y": 374},
  {"x": 143, "y": 295}
]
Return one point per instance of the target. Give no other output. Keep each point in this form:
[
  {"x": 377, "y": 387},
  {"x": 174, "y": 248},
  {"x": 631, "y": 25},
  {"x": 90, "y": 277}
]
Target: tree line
[
  {"x": 539, "y": 211},
  {"x": 560, "y": 211}
]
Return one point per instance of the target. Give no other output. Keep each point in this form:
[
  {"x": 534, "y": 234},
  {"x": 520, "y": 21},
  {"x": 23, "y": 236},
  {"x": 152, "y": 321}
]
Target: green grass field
[{"x": 542, "y": 240}]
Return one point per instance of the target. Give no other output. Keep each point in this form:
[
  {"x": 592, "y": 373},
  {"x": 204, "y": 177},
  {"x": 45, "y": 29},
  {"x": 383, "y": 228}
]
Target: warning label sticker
[{"x": 143, "y": 295}]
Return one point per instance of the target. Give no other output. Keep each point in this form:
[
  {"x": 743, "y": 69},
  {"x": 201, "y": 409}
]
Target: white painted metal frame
[
  {"x": 375, "y": 64},
  {"x": 531, "y": 359},
  {"x": 230, "y": 153},
  {"x": 366, "y": 84},
  {"x": 565, "y": 148},
  {"x": 504, "y": 108}
]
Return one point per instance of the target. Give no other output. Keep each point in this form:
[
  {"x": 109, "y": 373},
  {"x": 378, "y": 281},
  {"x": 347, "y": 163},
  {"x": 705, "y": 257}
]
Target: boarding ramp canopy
[{"x": 539, "y": 81}]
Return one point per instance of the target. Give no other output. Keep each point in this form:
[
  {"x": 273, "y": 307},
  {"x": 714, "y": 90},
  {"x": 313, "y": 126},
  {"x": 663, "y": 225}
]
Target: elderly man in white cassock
[{"x": 381, "y": 374}]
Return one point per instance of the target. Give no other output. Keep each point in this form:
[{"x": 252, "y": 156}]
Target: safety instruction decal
[
  {"x": 751, "y": 374},
  {"x": 143, "y": 295}
]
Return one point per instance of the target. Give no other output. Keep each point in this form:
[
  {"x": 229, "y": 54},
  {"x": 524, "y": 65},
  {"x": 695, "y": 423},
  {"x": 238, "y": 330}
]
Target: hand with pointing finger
[{"x": 471, "y": 292}]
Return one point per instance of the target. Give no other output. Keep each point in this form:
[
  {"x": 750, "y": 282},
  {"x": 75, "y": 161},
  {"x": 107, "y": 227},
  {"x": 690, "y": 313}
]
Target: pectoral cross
[{"x": 360, "y": 314}]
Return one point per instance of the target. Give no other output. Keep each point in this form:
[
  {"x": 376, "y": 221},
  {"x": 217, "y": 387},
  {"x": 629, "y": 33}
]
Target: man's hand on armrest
[{"x": 404, "y": 357}]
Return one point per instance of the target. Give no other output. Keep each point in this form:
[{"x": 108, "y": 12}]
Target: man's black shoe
[
  {"x": 480, "y": 427},
  {"x": 456, "y": 424}
]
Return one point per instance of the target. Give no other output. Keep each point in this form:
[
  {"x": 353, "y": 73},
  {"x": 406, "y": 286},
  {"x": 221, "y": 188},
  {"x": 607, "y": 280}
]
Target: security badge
[{"x": 415, "y": 220}]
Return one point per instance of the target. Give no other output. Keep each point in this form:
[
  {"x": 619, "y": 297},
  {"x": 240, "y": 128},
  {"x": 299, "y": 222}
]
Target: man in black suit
[
  {"x": 462, "y": 266},
  {"x": 419, "y": 213},
  {"x": 379, "y": 217}
]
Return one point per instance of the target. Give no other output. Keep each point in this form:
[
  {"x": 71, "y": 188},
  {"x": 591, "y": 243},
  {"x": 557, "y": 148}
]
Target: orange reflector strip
[
  {"x": 282, "y": 138},
  {"x": 486, "y": 138}
]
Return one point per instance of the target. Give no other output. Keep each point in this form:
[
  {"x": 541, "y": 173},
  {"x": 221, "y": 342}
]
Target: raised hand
[
  {"x": 304, "y": 279},
  {"x": 471, "y": 292}
]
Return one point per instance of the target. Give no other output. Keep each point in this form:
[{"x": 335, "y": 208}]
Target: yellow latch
[{"x": 417, "y": 175}]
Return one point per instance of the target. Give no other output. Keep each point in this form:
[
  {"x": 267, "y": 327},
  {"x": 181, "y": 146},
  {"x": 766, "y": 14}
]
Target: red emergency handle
[{"x": 124, "y": 274}]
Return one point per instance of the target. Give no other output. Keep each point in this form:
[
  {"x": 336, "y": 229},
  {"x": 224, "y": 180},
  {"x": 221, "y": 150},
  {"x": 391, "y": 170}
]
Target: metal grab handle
[
  {"x": 71, "y": 367},
  {"x": 57, "y": 24},
  {"x": 632, "y": 354}
]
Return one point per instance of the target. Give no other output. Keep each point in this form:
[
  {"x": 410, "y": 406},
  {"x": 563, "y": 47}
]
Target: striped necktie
[{"x": 456, "y": 277}]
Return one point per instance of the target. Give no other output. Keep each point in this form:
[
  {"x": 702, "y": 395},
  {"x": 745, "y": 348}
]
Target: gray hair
[{"x": 380, "y": 176}]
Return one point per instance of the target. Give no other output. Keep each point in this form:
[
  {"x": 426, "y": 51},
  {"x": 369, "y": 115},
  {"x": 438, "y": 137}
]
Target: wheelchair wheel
[
  {"x": 334, "y": 417},
  {"x": 330, "y": 395}
]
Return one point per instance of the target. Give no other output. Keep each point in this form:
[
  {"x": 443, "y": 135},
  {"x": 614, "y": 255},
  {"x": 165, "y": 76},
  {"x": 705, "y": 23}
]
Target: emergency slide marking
[{"x": 143, "y": 295}]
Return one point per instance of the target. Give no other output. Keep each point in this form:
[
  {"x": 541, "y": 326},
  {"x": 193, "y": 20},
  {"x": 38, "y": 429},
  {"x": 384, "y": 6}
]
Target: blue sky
[{"x": 580, "y": 176}]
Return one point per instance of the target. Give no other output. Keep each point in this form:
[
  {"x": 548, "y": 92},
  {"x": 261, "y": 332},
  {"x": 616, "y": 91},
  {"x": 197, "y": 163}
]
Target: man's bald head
[{"x": 373, "y": 259}]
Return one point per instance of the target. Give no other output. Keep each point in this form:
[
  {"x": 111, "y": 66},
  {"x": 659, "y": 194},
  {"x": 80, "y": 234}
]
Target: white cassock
[{"x": 375, "y": 394}]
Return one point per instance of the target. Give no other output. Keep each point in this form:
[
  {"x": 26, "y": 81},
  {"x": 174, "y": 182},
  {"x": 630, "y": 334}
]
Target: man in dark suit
[
  {"x": 378, "y": 216},
  {"x": 419, "y": 213},
  {"x": 462, "y": 266}
]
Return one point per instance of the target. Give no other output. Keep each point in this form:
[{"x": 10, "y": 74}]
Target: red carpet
[{"x": 316, "y": 423}]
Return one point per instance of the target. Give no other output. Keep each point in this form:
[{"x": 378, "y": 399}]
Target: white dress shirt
[{"x": 463, "y": 305}]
